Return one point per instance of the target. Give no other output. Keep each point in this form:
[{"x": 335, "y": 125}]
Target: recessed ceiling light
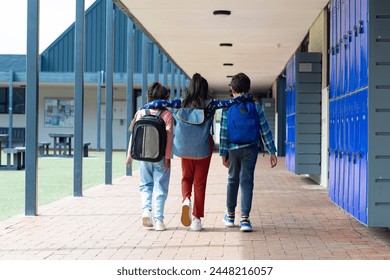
[
  {"x": 228, "y": 64},
  {"x": 222, "y": 13},
  {"x": 226, "y": 44}
]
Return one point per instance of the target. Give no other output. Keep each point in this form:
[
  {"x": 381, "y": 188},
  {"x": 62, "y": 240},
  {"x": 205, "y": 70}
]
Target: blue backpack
[
  {"x": 243, "y": 125},
  {"x": 192, "y": 132}
]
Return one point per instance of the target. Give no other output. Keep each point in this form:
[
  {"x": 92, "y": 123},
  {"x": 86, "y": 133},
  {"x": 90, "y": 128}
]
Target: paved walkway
[{"x": 292, "y": 217}]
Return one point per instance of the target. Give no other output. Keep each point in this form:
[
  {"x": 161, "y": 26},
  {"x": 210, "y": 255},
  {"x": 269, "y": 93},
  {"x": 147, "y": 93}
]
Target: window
[
  {"x": 18, "y": 100},
  {"x": 59, "y": 112},
  {"x": 3, "y": 101}
]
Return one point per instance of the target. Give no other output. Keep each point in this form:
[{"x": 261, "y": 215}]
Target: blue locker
[
  {"x": 358, "y": 39},
  {"x": 342, "y": 47},
  {"x": 345, "y": 45},
  {"x": 293, "y": 165},
  {"x": 338, "y": 56},
  {"x": 350, "y": 169},
  {"x": 332, "y": 150},
  {"x": 333, "y": 140},
  {"x": 353, "y": 32},
  {"x": 337, "y": 150},
  {"x": 289, "y": 112},
  {"x": 359, "y": 112},
  {"x": 363, "y": 155},
  {"x": 288, "y": 115},
  {"x": 304, "y": 127},
  {"x": 345, "y": 149},
  {"x": 350, "y": 153},
  {"x": 363, "y": 31},
  {"x": 356, "y": 157},
  {"x": 292, "y": 128},
  {"x": 332, "y": 51},
  {"x": 342, "y": 153}
]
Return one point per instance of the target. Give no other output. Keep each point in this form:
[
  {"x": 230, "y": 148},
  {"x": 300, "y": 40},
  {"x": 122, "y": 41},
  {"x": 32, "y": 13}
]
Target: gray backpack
[{"x": 149, "y": 138}]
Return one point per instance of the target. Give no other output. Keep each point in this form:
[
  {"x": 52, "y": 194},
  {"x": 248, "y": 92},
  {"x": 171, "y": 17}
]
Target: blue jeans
[
  {"x": 154, "y": 183},
  {"x": 241, "y": 173}
]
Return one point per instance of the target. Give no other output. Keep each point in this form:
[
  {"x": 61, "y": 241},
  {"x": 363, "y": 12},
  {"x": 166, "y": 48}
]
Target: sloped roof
[{"x": 13, "y": 62}]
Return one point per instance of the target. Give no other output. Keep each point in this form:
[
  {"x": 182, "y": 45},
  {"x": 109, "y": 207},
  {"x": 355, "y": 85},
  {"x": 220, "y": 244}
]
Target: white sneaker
[
  {"x": 186, "y": 212},
  {"x": 196, "y": 225},
  {"x": 147, "y": 218},
  {"x": 159, "y": 226}
]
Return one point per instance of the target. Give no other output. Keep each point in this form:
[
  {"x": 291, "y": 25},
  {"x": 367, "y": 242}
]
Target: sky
[{"x": 55, "y": 17}]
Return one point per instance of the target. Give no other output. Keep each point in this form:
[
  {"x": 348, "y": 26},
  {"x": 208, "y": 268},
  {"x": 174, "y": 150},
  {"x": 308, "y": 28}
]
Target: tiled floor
[{"x": 293, "y": 218}]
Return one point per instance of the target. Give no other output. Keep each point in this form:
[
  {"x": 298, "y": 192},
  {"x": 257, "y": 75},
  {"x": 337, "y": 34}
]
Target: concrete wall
[{"x": 318, "y": 34}]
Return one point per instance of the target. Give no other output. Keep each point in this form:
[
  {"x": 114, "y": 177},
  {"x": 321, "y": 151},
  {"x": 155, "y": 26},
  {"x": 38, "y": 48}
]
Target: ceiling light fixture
[
  {"x": 226, "y": 45},
  {"x": 228, "y": 64},
  {"x": 222, "y": 13}
]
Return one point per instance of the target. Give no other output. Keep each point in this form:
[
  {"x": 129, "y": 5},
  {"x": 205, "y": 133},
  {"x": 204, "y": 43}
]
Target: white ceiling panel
[{"x": 264, "y": 35}]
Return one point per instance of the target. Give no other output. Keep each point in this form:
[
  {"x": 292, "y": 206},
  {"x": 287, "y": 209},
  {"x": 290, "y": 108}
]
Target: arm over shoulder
[{"x": 161, "y": 103}]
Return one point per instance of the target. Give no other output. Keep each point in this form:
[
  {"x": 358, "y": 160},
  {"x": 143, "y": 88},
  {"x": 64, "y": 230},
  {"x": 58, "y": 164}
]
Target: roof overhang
[{"x": 264, "y": 35}]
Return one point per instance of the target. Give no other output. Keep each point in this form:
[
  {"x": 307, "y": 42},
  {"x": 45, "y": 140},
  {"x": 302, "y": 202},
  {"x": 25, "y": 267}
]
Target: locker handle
[
  {"x": 350, "y": 36},
  {"x": 355, "y": 30},
  {"x": 361, "y": 26},
  {"x": 353, "y": 158},
  {"x": 345, "y": 37},
  {"x": 337, "y": 48}
]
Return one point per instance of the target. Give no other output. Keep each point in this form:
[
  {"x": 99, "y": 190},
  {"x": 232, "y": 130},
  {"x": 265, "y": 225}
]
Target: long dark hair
[{"x": 196, "y": 93}]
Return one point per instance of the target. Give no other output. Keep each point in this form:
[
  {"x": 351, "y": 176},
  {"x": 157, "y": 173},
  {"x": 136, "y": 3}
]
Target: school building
[{"x": 319, "y": 68}]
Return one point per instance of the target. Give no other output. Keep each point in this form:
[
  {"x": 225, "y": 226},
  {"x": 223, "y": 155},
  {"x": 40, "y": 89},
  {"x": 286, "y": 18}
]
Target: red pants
[{"x": 194, "y": 172}]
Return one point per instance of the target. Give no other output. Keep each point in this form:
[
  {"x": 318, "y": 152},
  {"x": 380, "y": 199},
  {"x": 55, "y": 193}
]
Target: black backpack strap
[{"x": 147, "y": 112}]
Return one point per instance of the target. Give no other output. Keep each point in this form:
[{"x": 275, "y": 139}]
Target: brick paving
[{"x": 292, "y": 216}]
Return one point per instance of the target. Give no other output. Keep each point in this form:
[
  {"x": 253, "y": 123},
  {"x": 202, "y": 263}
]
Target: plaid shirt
[{"x": 265, "y": 132}]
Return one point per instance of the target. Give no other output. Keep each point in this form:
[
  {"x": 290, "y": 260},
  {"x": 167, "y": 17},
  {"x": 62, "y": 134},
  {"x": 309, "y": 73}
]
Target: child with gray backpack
[
  {"x": 242, "y": 126},
  {"x": 151, "y": 144}
]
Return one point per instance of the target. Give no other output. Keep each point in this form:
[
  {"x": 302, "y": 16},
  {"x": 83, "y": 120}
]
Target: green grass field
[{"x": 55, "y": 180}]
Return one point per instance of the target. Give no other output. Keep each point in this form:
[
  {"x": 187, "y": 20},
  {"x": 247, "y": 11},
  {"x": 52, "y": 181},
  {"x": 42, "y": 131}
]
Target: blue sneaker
[
  {"x": 245, "y": 225},
  {"x": 228, "y": 220}
]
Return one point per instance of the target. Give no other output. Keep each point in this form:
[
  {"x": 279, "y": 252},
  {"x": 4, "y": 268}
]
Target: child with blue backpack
[{"x": 242, "y": 127}]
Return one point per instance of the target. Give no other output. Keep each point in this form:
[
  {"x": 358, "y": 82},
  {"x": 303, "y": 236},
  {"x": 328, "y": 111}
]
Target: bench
[
  {"x": 43, "y": 148},
  {"x": 18, "y": 135},
  {"x": 85, "y": 149},
  {"x": 18, "y": 154}
]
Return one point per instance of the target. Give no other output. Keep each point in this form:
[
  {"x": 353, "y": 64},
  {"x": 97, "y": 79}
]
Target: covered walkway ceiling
[{"x": 264, "y": 34}]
